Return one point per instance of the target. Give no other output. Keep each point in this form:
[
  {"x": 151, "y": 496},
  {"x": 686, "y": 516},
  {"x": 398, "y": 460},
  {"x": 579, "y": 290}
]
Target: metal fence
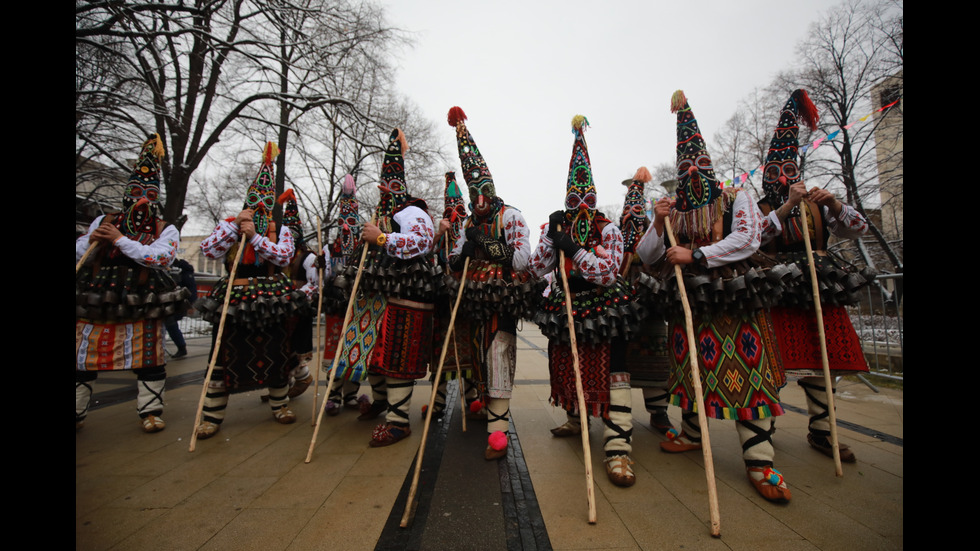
[{"x": 878, "y": 322}]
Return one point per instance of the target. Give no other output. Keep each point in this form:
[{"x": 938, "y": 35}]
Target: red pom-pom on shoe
[
  {"x": 476, "y": 406},
  {"x": 497, "y": 440}
]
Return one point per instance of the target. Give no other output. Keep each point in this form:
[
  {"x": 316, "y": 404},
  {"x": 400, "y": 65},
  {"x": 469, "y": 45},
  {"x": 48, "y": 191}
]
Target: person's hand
[
  {"x": 248, "y": 229},
  {"x": 244, "y": 216},
  {"x": 370, "y": 233},
  {"x": 679, "y": 255},
  {"x": 797, "y": 192},
  {"x": 320, "y": 261},
  {"x": 106, "y": 233},
  {"x": 556, "y": 219},
  {"x": 568, "y": 245},
  {"x": 661, "y": 210},
  {"x": 822, "y": 197}
]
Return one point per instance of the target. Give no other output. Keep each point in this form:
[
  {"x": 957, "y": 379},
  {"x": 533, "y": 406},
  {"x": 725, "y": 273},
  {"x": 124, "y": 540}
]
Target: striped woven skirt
[{"x": 116, "y": 346}]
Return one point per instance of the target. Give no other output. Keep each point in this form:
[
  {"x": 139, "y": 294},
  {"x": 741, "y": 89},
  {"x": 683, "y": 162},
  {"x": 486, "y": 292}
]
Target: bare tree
[
  {"x": 845, "y": 55},
  {"x": 190, "y": 71}
]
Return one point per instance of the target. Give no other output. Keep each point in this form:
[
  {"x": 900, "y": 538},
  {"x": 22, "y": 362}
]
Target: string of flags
[{"x": 744, "y": 177}]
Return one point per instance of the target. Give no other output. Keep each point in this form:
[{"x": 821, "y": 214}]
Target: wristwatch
[
  {"x": 698, "y": 257},
  {"x": 382, "y": 239}
]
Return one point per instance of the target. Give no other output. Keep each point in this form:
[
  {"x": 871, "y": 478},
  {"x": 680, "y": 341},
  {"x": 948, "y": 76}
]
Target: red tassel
[
  {"x": 642, "y": 175},
  {"x": 808, "y": 111},
  {"x": 286, "y": 196},
  {"x": 456, "y": 116}
]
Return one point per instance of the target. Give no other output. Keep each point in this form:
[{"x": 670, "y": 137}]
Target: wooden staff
[
  {"x": 217, "y": 341},
  {"x": 340, "y": 348},
  {"x": 319, "y": 310},
  {"x": 91, "y": 247},
  {"x": 827, "y": 379},
  {"x": 579, "y": 391},
  {"x": 432, "y": 398},
  {"x": 692, "y": 345}
]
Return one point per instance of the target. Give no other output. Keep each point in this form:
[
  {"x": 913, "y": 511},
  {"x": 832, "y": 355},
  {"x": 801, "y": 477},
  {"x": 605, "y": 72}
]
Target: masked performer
[
  {"x": 123, "y": 294},
  {"x": 498, "y": 287},
  {"x": 302, "y": 270},
  {"x": 719, "y": 230},
  {"x": 604, "y": 309},
  {"x": 646, "y": 353},
  {"x": 335, "y": 298},
  {"x": 786, "y": 200},
  {"x": 398, "y": 269},
  {"x": 459, "y": 354},
  {"x": 255, "y": 345}
]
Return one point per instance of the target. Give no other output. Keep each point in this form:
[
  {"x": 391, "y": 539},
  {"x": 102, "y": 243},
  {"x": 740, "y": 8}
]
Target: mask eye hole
[
  {"x": 703, "y": 162},
  {"x": 572, "y": 201}
]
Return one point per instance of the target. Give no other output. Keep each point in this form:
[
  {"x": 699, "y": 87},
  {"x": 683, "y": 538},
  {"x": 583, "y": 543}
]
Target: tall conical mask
[
  {"x": 454, "y": 210},
  {"x": 261, "y": 194},
  {"x": 141, "y": 200},
  {"x": 394, "y": 192},
  {"x": 782, "y": 169},
  {"x": 580, "y": 192},
  {"x": 483, "y": 194},
  {"x": 348, "y": 218},
  {"x": 633, "y": 223},
  {"x": 290, "y": 215}
]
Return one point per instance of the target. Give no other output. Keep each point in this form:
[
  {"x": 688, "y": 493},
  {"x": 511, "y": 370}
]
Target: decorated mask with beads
[
  {"x": 633, "y": 222},
  {"x": 484, "y": 202},
  {"x": 782, "y": 169},
  {"x": 141, "y": 200},
  {"x": 697, "y": 185},
  {"x": 394, "y": 192},
  {"x": 290, "y": 215},
  {"x": 261, "y": 195},
  {"x": 580, "y": 192},
  {"x": 348, "y": 218},
  {"x": 454, "y": 210}
]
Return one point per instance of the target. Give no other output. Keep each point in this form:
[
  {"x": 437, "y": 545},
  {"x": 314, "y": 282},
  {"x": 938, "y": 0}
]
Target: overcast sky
[{"x": 522, "y": 69}]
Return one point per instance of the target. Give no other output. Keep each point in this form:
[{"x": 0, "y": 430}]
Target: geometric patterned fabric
[
  {"x": 739, "y": 365},
  {"x": 799, "y": 340}
]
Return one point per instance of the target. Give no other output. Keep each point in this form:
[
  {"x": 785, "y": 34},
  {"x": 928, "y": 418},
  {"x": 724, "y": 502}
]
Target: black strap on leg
[
  {"x": 491, "y": 416},
  {"x": 650, "y": 402},
  {"x": 151, "y": 374},
  {"x": 761, "y": 436},
  {"x": 808, "y": 389},
  {"x": 396, "y": 408},
  {"x": 687, "y": 421},
  {"x": 626, "y": 435}
]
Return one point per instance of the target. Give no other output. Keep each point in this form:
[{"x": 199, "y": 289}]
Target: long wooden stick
[
  {"x": 579, "y": 391},
  {"x": 692, "y": 346},
  {"x": 432, "y": 399},
  {"x": 217, "y": 342},
  {"x": 340, "y": 348},
  {"x": 827, "y": 379},
  {"x": 319, "y": 309},
  {"x": 91, "y": 247}
]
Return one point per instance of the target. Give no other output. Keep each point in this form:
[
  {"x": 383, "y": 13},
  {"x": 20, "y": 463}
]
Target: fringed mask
[
  {"x": 698, "y": 185},
  {"x": 141, "y": 200},
  {"x": 633, "y": 222},
  {"x": 261, "y": 195},
  {"x": 455, "y": 210},
  {"x": 580, "y": 192},
  {"x": 348, "y": 218},
  {"x": 782, "y": 169},
  {"x": 484, "y": 202},
  {"x": 394, "y": 192}
]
